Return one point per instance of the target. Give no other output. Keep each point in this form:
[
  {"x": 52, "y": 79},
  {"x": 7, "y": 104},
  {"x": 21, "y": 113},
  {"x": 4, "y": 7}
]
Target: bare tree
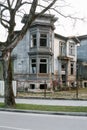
[{"x": 9, "y": 10}]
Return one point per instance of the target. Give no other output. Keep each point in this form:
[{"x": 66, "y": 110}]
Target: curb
[
  {"x": 45, "y": 112},
  {"x": 47, "y": 98}
]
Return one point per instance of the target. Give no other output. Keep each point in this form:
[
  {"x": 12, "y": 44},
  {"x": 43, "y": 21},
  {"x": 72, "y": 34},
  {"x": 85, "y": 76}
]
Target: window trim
[
  {"x": 72, "y": 68},
  {"x": 45, "y": 38},
  {"x": 32, "y": 40},
  {"x": 62, "y": 48},
  {"x": 45, "y": 63},
  {"x": 72, "y": 48},
  {"x": 38, "y": 63},
  {"x": 33, "y": 71}
]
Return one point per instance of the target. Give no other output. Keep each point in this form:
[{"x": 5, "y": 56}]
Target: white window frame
[
  {"x": 43, "y": 33},
  {"x": 32, "y": 40},
  {"x": 71, "y": 48},
  {"x": 62, "y": 48},
  {"x": 33, "y": 69},
  {"x": 43, "y": 63}
]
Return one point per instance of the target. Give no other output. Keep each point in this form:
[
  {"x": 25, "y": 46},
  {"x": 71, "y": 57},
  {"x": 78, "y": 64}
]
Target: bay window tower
[{"x": 41, "y": 51}]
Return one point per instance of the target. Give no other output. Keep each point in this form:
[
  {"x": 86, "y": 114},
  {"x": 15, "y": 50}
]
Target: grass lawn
[
  {"x": 69, "y": 94},
  {"x": 48, "y": 108}
]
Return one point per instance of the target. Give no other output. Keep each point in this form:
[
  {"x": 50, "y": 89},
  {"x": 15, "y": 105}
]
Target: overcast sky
[
  {"x": 65, "y": 26},
  {"x": 79, "y": 7}
]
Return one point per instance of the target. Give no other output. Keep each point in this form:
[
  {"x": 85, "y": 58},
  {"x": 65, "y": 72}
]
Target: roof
[
  {"x": 82, "y": 37},
  {"x": 47, "y": 20},
  {"x": 46, "y": 16},
  {"x": 75, "y": 38},
  {"x": 60, "y": 36}
]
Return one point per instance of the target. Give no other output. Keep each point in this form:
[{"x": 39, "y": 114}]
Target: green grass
[
  {"x": 1, "y": 105},
  {"x": 48, "y": 108},
  {"x": 51, "y": 108},
  {"x": 69, "y": 94}
]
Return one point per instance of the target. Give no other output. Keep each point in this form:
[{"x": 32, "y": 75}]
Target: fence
[
  {"x": 2, "y": 88},
  {"x": 23, "y": 88}
]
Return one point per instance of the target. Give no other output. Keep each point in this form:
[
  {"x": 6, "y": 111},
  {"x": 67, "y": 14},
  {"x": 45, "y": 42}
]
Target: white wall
[
  {"x": 56, "y": 53},
  {"x": 74, "y": 57},
  {"x": 2, "y": 88}
]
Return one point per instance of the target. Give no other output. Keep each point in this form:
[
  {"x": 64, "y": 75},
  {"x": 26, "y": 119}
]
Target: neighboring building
[
  {"x": 82, "y": 61},
  {"x": 42, "y": 57}
]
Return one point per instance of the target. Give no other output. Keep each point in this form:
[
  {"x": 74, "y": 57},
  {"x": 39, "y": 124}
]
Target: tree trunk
[{"x": 9, "y": 99}]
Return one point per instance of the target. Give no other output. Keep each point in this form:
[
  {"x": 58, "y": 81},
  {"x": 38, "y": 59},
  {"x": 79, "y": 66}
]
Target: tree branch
[
  {"x": 46, "y": 8},
  {"x": 18, "y": 5},
  {"x": 4, "y": 19},
  {"x": 67, "y": 16},
  {"x": 30, "y": 18},
  {"x": 9, "y": 6}
]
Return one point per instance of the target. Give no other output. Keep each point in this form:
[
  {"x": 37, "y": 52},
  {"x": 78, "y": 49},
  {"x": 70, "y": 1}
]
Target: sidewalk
[{"x": 54, "y": 102}]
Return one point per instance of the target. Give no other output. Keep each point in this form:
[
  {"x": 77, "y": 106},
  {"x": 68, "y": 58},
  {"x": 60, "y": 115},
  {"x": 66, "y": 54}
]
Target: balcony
[{"x": 64, "y": 58}]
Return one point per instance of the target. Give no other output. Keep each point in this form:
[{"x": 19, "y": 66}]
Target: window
[
  {"x": 62, "y": 48},
  {"x": 34, "y": 40},
  {"x": 33, "y": 65},
  {"x": 43, "y": 66},
  {"x": 63, "y": 66},
  {"x": 85, "y": 84},
  {"x": 43, "y": 86},
  {"x": 72, "y": 68},
  {"x": 71, "y": 48},
  {"x": 32, "y": 86},
  {"x": 63, "y": 78},
  {"x": 43, "y": 40}
]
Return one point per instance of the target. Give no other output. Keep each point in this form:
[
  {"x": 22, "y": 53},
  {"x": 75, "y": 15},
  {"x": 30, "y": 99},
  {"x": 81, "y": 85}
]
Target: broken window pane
[
  {"x": 33, "y": 65},
  {"x": 34, "y": 40}
]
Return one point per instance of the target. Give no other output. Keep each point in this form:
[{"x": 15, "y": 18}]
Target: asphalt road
[{"x": 27, "y": 121}]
